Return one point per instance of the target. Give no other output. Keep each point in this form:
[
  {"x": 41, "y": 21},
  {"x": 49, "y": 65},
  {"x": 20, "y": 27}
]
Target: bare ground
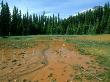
[{"x": 48, "y": 61}]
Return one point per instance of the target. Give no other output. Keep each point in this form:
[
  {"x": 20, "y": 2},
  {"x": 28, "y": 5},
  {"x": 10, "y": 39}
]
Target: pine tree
[
  {"x": 20, "y": 23},
  {"x": 108, "y": 26},
  {"x": 5, "y": 19},
  {"x": 0, "y": 23},
  {"x": 14, "y": 22}
]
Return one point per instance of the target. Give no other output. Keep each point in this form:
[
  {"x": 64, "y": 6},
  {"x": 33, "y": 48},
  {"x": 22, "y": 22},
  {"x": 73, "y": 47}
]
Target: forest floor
[{"x": 55, "y": 58}]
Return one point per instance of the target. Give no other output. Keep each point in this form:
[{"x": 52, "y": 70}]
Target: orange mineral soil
[{"x": 48, "y": 61}]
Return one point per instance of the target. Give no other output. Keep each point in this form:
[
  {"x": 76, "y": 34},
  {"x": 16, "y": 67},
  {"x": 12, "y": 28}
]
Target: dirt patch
[{"x": 53, "y": 61}]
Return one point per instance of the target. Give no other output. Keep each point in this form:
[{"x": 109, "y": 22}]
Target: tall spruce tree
[
  {"x": 14, "y": 22},
  {"x": 0, "y": 21},
  {"x": 5, "y": 19},
  {"x": 108, "y": 26}
]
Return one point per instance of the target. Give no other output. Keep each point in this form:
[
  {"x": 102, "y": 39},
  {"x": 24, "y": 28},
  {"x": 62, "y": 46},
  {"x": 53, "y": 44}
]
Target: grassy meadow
[{"x": 97, "y": 46}]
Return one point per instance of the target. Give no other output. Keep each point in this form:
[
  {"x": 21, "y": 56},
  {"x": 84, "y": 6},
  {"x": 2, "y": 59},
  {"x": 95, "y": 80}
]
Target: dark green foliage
[
  {"x": 93, "y": 21},
  {"x": 108, "y": 26},
  {"x": 5, "y": 19}
]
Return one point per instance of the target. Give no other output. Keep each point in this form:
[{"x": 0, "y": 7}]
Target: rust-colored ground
[{"x": 48, "y": 61}]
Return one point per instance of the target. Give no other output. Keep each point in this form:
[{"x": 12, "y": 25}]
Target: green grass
[
  {"x": 17, "y": 42},
  {"x": 98, "y": 46},
  {"x": 94, "y": 45}
]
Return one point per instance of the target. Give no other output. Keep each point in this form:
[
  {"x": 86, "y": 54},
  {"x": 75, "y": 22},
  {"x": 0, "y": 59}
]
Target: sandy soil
[{"x": 48, "y": 61}]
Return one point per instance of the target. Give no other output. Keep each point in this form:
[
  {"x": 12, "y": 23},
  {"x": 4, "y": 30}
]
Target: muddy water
[{"x": 52, "y": 61}]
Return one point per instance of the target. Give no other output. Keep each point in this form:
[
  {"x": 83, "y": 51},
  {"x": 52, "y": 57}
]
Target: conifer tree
[{"x": 5, "y": 19}]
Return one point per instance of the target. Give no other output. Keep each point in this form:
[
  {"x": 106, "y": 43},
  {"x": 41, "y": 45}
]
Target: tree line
[{"x": 93, "y": 21}]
